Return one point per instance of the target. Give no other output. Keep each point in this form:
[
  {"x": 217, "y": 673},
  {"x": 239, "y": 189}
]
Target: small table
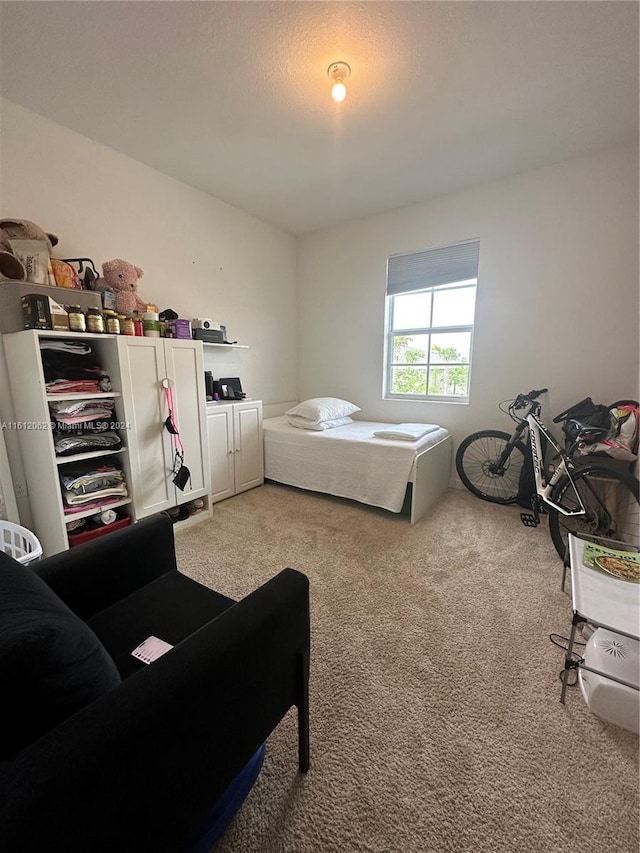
[{"x": 601, "y": 600}]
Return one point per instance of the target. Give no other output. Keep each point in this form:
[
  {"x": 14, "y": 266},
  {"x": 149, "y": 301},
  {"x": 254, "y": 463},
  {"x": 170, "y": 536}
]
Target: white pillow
[
  {"x": 323, "y": 409},
  {"x": 304, "y": 423}
]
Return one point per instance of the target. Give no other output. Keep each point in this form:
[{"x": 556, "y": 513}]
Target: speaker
[{"x": 208, "y": 384}]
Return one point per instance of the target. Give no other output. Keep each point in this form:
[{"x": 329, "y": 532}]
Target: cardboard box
[
  {"x": 59, "y": 317},
  {"x": 180, "y": 329}
]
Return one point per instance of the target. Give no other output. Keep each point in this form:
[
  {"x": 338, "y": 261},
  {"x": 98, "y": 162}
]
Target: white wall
[
  {"x": 557, "y": 301},
  {"x": 200, "y": 256}
]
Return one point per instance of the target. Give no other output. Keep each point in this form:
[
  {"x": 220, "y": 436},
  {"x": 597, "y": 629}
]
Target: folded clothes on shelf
[
  {"x": 83, "y": 415},
  {"x": 96, "y": 499},
  {"x": 71, "y": 347},
  {"x": 89, "y": 481},
  {"x": 77, "y": 386},
  {"x": 69, "y": 443},
  {"x": 71, "y": 361},
  {"x": 90, "y": 488},
  {"x": 81, "y": 409}
]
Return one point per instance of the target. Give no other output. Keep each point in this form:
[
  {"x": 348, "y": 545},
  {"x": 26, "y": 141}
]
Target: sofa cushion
[
  {"x": 51, "y": 662},
  {"x": 172, "y": 607}
]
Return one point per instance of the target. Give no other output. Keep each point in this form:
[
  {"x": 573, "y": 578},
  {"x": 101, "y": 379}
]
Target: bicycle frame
[{"x": 545, "y": 490}]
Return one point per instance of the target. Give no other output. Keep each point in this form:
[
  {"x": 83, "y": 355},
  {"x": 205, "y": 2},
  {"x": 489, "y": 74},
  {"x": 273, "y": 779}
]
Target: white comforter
[{"x": 347, "y": 461}]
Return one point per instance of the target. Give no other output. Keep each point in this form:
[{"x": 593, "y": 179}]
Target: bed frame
[{"x": 430, "y": 477}]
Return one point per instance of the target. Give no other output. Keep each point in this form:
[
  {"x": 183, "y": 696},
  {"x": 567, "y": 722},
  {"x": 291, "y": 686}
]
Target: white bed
[{"x": 350, "y": 462}]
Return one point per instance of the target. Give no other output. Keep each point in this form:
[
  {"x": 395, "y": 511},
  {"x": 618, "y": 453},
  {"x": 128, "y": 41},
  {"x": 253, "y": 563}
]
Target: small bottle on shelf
[
  {"x": 95, "y": 320},
  {"x": 137, "y": 324},
  {"x": 151, "y": 324},
  {"x": 112, "y": 323},
  {"x": 76, "y": 319},
  {"x": 127, "y": 326}
]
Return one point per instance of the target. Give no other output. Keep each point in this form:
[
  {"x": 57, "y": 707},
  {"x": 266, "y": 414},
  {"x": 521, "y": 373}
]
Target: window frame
[{"x": 391, "y": 333}]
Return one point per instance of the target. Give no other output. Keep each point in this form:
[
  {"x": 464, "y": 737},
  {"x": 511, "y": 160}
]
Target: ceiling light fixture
[{"x": 338, "y": 72}]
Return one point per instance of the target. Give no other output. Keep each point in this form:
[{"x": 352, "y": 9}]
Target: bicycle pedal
[{"x": 529, "y": 520}]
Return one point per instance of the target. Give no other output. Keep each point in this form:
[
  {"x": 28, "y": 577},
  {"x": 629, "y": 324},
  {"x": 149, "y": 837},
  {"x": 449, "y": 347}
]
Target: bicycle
[{"x": 588, "y": 497}]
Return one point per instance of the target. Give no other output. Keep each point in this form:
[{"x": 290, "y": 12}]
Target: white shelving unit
[
  {"x": 226, "y": 346},
  {"x": 31, "y": 404}
]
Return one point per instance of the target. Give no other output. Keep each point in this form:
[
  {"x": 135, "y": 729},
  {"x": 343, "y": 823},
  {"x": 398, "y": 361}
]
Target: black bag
[{"x": 585, "y": 413}]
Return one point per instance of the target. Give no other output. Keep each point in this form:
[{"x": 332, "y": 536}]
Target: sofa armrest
[
  {"x": 95, "y": 575},
  {"x": 139, "y": 768}
]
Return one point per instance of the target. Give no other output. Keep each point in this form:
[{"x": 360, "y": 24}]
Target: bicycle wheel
[
  {"x": 476, "y": 459},
  {"x": 612, "y": 508}
]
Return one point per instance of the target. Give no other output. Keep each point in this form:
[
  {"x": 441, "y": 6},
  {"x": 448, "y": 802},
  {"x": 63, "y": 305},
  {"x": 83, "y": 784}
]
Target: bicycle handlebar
[{"x": 522, "y": 399}]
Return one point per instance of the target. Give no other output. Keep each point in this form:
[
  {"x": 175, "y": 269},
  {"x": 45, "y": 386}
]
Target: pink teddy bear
[{"x": 122, "y": 277}]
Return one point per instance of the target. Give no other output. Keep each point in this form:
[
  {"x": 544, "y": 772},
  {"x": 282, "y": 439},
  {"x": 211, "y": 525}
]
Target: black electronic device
[
  {"x": 231, "y": 389},
  {"x": 208, "y": 385},
  {"x": 209, "y": 336}
]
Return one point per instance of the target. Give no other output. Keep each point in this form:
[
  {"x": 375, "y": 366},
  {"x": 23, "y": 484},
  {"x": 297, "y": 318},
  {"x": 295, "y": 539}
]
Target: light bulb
[
  {"x": 338, "y": 72},
  {"x": 339, "y": 91}
]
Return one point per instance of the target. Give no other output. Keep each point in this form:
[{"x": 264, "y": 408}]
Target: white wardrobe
[{"x": 137, "y": 367}]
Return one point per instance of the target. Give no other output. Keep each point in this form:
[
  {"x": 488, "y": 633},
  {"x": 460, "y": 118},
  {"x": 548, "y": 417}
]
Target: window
[{"x": 431, "y": 299}]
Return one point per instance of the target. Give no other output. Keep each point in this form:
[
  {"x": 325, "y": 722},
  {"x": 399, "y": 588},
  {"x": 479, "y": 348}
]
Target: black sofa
[{"x": 136, "y": 764}]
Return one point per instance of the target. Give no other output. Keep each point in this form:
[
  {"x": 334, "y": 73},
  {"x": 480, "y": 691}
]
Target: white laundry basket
[{"x": 19, "y": 543}]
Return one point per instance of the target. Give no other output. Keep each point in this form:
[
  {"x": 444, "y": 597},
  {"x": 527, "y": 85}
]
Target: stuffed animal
[
  {"x": 19, "y": 229},
  {"x": 10, "y": 266},
  {"x": 122, "y": 277},
  {"x": 24, "y": 229}
]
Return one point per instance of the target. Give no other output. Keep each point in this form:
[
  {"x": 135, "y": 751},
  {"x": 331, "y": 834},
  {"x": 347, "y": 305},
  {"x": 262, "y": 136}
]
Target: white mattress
[{"x": 348, "y": 461}]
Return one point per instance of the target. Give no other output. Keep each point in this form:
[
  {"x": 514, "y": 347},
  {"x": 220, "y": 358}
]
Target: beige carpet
[{"x": 435, "y": 715}]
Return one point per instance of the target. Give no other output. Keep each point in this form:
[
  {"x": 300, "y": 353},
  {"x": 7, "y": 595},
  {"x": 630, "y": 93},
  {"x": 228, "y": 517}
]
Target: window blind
[{"x": 433, "y": 267}]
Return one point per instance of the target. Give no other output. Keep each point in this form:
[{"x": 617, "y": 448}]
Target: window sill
[{"x": 406, "y": 398}]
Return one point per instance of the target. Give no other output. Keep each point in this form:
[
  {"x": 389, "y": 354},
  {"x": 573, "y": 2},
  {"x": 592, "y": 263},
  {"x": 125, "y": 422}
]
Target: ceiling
[{"x": 233, "y": 97}]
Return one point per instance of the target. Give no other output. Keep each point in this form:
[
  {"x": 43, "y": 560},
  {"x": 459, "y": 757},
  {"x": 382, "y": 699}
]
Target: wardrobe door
[
  {"x": 142, "y": 369},
  {"x": 221, "y": 451},
  {"x": 185, "y": 369},
  {"x": 249, "y": 459}
]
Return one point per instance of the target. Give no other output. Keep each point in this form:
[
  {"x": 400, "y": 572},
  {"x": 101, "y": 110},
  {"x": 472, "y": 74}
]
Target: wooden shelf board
[
  {"x": 99, "y": 395},
  {"x": 63, "y": 333},
  {"x": 226, "y": 346},
  {"x": 90, "y": 454}
]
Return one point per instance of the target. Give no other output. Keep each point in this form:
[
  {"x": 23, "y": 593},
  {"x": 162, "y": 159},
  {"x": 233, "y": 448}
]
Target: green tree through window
[{"x": 449, "y": 381}]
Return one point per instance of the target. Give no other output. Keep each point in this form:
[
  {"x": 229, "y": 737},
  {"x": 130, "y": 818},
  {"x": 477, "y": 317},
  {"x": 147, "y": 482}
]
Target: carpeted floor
[{"x": 435, "y": 715}]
